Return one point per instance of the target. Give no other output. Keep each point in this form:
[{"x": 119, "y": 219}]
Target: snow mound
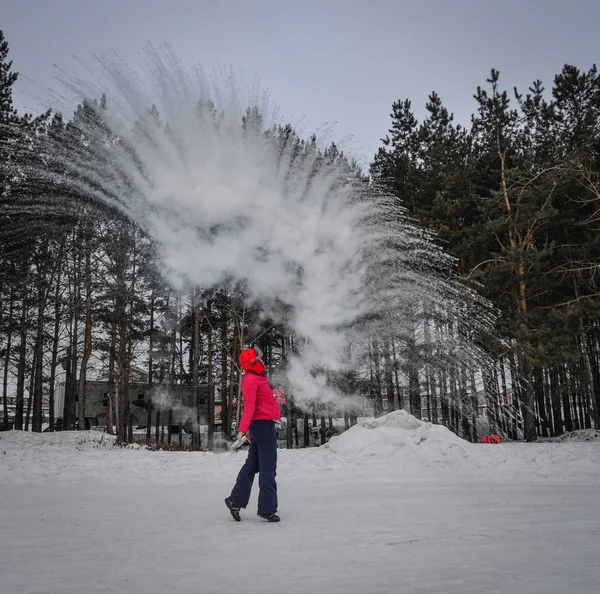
[
  {"x": 580, "y": 435},
  {"x": 400, "y": 434}
]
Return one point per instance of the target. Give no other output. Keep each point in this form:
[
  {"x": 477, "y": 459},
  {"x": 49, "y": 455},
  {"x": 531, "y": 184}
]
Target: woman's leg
[
  {"x": 267, "y": 455},
  {"x": 243, "y": 485}
]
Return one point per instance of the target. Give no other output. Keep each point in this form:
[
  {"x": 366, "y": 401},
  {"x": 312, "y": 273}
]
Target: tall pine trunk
[
  {"x": 401, "y": 403},
  {"x": 20, "y": 393},
  {"x": 87, "y": 343},
  {"x": 55, "y": 341},
  {"x": 389, "y": 381},
  {"x": 150, "y": 367},
  {"x": 210, "y": 380},
  {"x": 225, "y": 404},
  {"x": 111, "y": 401},
  {"x": 9, "y": 333},
  {"x": 71, "y": 384},
  {"x": 30, "y": 399},
  {"x": 39, "y": 361},
  {"x": 195, "y": 359}
]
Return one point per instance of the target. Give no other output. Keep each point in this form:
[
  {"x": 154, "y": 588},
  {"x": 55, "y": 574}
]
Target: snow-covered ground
[{"x": 393, "y": 505}]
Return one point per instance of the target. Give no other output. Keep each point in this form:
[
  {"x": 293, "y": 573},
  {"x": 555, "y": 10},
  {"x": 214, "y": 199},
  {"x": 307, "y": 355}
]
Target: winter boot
[
  {"x": 269, "y": 517},
  {"x": 234, "y": 509}
]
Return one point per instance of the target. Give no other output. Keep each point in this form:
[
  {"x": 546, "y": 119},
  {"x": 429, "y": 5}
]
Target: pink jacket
[{"x": 259, "y": 401}]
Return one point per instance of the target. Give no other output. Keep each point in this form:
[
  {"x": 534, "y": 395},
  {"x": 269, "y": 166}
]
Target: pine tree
[{"x": 8, "y": 116}]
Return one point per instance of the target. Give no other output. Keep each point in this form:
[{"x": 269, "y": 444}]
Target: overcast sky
[{"x": 341, "y": 62}]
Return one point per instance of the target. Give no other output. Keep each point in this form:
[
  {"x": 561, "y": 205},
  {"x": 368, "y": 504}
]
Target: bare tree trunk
[
  {"x": 428, "y": 395},
  {"x": 69, "y": 422},
  {"x": 434, "y": 398},
  {"x": 87, "y": 348},
  {"x": 506, "y": 407},
  {"x": 543, "y": 415},
  {"x": 464, "y": 404},
  {"x": 239, "y": 370},
  {"x": 377, "y": 396},
  {"x": 37, "y": 371},
  {"x": 20, "y": 394},
  {"x": 432, "y": 402},
  {"x": 289, "y": 400},
  {"x": 233, "y": 369},
  {"x": 453, "y": 401},
  {"x": 175, "y": 357},
  {"x": 427, "y": 367},
  {"x": 121, "y": 366},
  {"x": 414, "y": 390},
  {"x": 444, "y": 409},
  {"x": 556, "y": 411},
  {"x": 128, "y": 422},
  {"x": 564, "y": 389},
  {"x": 172, "y": 366},
  {"x": 490, "y": 390},
  {"x": 514, "y": 408},
  {"x": 158, "y": 421},
  {"x": 574, "y": 400},
  {"x": 289, "y": 434},
  {"x": 296, "y": 436},
  {"x": 396, "y": 379},
  {"x": 111, "y": 400},
  {"x": 9, "y": 330},
  {"x": 150, "y": 367},
  {"x": 592, "y": 347},
  {"x": 414, "y": 387},
  {"x": 389, "y": 382},
  {"x": 195, "y": 357},
  {"x": 474, "y": 406},
  {"x": 211, "y": 386},
  {"x": 225, "y": 403},
  {"x": 70, "y": 402},
  {"x": 31, "y": 387},
  {"x": 306, "y": 436},
  {"x": 55, "y": 340}
]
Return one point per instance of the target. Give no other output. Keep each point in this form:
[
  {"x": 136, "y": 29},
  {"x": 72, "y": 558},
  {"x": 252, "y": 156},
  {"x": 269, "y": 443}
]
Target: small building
[
  {"x": 161, "y": 398},
  {"x": 11, "y": 406}
]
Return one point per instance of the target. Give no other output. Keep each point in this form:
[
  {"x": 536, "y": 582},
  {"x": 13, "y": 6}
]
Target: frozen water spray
[{"x": 209, "y": 169}]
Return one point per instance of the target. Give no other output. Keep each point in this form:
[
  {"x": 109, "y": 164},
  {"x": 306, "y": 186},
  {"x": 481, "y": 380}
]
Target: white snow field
[{"x": 393, "y": 505}]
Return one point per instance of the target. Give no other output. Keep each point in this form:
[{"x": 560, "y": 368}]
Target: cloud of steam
[{"x": 226, "y": 201}]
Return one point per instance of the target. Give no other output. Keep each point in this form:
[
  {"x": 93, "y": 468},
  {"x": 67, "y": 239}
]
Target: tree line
[{"x": 514, "y": 198}]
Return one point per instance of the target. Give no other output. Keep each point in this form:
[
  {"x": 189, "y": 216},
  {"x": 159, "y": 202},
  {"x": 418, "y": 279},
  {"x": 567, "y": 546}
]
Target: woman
[{"x": 258, "y": 421}]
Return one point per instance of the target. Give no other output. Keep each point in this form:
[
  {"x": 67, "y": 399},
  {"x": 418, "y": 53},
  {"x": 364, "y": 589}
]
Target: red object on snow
[{"x": 490, "y": 439}]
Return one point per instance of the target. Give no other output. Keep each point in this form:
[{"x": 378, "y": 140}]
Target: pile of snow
[
  {"x": 400, "y": 434},
  {"x": 394, "y": 444},
  {"x": 580, "y": 435}
]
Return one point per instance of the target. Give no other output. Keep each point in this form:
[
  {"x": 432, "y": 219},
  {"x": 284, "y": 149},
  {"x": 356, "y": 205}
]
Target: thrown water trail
[{"x": 207, "y": 166}]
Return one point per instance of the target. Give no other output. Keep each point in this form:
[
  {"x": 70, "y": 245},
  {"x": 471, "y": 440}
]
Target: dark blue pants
[{"x": 262, "y": 459}]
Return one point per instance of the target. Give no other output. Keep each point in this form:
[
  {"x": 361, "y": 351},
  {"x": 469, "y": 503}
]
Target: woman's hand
[{"x": 240, "y": 436}]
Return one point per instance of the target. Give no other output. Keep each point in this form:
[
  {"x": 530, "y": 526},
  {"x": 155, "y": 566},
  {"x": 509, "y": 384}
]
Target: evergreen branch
[
  {"x": 571, "y": 301},
  {"x": 493, "y": 260}
]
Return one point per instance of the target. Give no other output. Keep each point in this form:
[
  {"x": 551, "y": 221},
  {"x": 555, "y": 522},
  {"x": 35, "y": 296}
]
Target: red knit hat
[{"x": 250, "y": 361}]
